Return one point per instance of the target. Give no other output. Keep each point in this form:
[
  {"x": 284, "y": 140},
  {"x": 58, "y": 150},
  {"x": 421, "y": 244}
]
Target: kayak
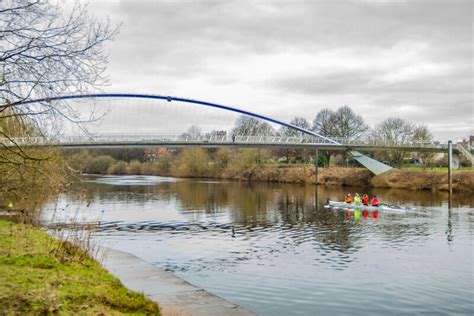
[{"x": 382, "y": 207}]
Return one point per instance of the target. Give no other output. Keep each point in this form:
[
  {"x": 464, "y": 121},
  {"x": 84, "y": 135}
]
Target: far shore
[{"x": 436, "y": 180}]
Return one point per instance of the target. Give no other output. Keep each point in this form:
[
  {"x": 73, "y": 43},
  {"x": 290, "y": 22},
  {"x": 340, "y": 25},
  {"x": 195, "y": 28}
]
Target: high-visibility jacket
[{"x": 356, "y": 199}]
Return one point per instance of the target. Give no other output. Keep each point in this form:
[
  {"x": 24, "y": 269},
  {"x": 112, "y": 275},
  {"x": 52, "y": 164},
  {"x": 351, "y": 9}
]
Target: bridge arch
[
  {"x": 176, "y": 99},
  {"x": 373, "y": 165}
]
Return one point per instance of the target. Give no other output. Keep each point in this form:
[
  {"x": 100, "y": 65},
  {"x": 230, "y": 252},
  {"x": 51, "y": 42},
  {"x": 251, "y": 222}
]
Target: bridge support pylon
[
  {"x": 316, "y": 162},
  {"x": 373, "y": 165}
]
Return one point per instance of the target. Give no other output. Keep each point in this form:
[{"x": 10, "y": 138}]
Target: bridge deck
[
  {"x": 215, "y": 141},
  {"x": 242, "y": 145}
]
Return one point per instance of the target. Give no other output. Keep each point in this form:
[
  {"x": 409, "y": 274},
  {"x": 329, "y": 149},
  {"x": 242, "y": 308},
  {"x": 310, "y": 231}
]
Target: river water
[{"x": 275, "y": 249}]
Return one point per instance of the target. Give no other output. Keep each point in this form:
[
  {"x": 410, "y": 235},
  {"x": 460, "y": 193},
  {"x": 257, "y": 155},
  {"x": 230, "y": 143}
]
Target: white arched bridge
[{"x": 304, "y": 138}]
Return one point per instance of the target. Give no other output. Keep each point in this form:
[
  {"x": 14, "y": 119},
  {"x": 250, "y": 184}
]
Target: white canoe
[{"x": 382, "y": 207}]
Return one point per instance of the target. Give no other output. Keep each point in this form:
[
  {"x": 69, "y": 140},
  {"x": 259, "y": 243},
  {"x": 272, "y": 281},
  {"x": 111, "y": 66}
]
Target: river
[{"x": 274, "y": 249}]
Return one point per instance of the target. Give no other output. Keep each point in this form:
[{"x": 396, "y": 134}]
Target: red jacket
[
  {"x": 365, "y": 200},
  {"x": 375, "y": 202}
]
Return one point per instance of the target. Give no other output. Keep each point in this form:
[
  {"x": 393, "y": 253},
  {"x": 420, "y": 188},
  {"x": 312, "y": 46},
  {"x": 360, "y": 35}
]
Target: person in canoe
[
  {"x": 357, "y": 199},
  {"x": 348, "y": 198},
  {"x": 365, "y": 199},
  {"x": 374, "y": 201}
]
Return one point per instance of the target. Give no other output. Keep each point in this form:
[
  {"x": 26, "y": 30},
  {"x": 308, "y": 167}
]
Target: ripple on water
[
  {"x": 275, "y": 261},
  {"x": 132, "y": 180}
]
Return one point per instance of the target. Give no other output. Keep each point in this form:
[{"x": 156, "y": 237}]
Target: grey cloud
[
  {"x": 182, "y": 35},
  {"x": 161, "y": 43},
  {"x": 367, "y": 82},
  {"x": 340, "y": 82}
]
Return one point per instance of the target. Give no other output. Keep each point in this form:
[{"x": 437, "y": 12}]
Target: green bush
[
  {"x": 221, "y": 159},
  {"x": 192, "y": 162},
  {"x": 135, "y": 167},
  {"x": 119, "y": 168},
  {"x": 98, "y": 165},
  {"x": 150, "y": 168},
  {"x": 245, "y": 159},
  {"x": 79, "y": 160},
  {"x": 164, "y": 163}
]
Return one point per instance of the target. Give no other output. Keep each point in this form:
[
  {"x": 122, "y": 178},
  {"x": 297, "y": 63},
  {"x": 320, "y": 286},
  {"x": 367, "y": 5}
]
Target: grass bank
[{"x": 41, "y": 275}]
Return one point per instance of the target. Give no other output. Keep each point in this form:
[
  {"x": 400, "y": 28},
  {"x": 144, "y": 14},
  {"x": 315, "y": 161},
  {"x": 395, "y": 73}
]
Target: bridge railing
[
  {"x": 380, "y": 142},
  {"x": 211, "y": 138}
]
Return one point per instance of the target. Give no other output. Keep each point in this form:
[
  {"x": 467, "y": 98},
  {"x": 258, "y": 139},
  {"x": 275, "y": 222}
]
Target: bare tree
[
  {"x": 45, "y": 53},
  {"x": 322, "y": 124},
  {"x": 251, "y": 126},
  {"x": 194, "y": 131},
  {"x": 394, "y": 131},
  {"x": 342, "y": 123},
  {"x": 399, "y": 132},
  {"x": 297, "y": 121},
  {"x": 422, "y": 136},
  {"x": 294, "y": 154},
  {"x": 347, "y": 124}
]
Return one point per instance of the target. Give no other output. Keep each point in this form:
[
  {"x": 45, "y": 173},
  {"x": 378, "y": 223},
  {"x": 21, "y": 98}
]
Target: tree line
[{"x": 339, "y": 124}]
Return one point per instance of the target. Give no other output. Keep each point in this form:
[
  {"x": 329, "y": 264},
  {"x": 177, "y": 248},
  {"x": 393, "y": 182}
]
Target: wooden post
[
  {"x": 316, "y": 159},
  {"x": 450, "y": 163}
]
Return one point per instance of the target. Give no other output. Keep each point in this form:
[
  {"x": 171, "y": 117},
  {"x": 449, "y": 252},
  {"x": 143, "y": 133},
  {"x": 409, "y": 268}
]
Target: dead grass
[
  {"x": 463, "y": 181},
  {"x": 427, "y": 180}
]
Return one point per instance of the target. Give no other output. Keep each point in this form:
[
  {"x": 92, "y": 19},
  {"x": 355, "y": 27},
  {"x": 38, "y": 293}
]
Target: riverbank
[
  {"x": 463, "y": 181},
  {"x": 42, "y": 275},
  {"x": 436, "y": 180},
  {"x": 263, "y": 166}
]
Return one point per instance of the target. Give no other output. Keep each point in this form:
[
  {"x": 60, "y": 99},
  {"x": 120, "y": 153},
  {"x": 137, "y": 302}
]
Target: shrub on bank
[
  {"x": 463, "y": 181},
  {"x": 135, "y": 167},
  {"x": 99, "y": 165},
  {"x": 149, "y": 168},
  {"x": 245, "y": 162},
  {"x": 164, "y": 163},
  {"x": 118, "y": 168},
  {"x": 192, "y": 162}
]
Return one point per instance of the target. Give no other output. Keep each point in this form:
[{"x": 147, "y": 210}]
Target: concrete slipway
[{"x": 174, "y": 295}]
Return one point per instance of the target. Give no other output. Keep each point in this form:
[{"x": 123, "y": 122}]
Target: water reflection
[
  {"x": 246, "y": 206},
  {"x": 279, "y": 239},
  {"x": 212, "y": 195}
]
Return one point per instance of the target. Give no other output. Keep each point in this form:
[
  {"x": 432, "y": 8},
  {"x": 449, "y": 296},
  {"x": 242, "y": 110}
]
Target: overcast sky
[{"x": 409, "y": 59}]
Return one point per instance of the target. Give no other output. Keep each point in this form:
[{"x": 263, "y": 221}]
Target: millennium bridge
[{"x": 306, "y": 138}]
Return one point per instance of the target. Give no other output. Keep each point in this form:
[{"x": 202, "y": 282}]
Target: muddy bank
[{"x": 463, "y": 181}]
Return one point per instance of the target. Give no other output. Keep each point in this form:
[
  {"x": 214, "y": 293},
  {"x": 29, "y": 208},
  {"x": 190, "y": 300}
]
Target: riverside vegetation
[
  {"x": 264, "y": 165},
  {"x": 41, "y": 275},
  {"x": 38, "y": 273}
]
